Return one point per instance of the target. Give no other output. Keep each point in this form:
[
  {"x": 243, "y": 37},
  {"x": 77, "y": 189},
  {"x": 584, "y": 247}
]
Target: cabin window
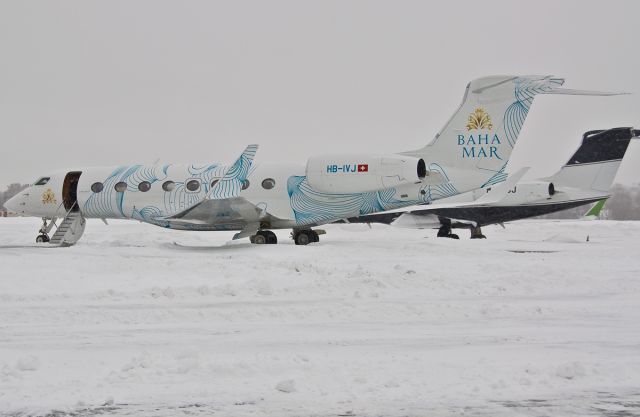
[
  {"x": 42, "y": 181},
  {"x": 96, "y": 187},
  {"x": 144, "y": 186},
  {"x": 245, "y": 184},
  {"x": 213, "y": 183},
  {"x": 268, "y": 183},
  {"x": 121, "y": 187},
  {"x": 193, "y": 185},
  {"x": 169, "y": 186}
]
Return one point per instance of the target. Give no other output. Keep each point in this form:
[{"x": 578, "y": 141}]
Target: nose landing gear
[
  {"x": 43, "y": 233},
  {"x": 42, "y": 238}
]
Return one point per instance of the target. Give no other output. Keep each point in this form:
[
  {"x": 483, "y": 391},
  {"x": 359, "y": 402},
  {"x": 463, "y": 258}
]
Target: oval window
[
  {"x": 213, "y": 183},
  {"x": 268, "y": 183},
  {"x": 245, "y": 184},
  {"x": 169, "y": 186},
  {"x": 96, "y": 187},
  {"x": 144, "y": 186},
  {"x": 193, "y": 185},
  {"x": 121, "y": 187}
]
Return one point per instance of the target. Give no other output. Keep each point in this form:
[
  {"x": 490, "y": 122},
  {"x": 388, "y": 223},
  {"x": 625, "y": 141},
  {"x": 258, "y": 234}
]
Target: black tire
[
  {"x": 42, "y": 239},
  {"x": 302, "y": 238},
  {"x": 272, "y": 239},
  {"x": 314, "y": 237},
  {"x": 259, "y": 239}
]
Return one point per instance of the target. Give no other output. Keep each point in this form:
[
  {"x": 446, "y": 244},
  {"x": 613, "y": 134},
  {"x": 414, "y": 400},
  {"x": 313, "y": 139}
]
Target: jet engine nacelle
[
  {"x": 359, "y": 173},
  {"x": 532, "y": 191}
]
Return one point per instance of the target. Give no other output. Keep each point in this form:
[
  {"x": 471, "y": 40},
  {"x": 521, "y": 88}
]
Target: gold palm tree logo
[
  {"x": 479, "y": 119},
  {"x": 48, "y": 197}
]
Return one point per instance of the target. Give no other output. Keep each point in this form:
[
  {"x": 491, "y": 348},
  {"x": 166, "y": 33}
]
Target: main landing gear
[
  {"x": 305, "y": 236},
  {"x": 264, "y": 237},
  {"x": 445, "y": 231},
  {"x": 476, "y": 233},
  {"x": 299, "y": 236}
]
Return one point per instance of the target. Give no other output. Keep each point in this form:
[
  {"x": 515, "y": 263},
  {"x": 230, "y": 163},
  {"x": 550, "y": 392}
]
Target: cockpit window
[{"x": 42, "y": 181}]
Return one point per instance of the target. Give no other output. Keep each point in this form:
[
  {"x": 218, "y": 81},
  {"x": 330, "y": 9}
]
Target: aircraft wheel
[
  {"x": 302, "y": 238},
  {"x": 259, "y": 239},
  {"x": 314, "y": 236},
  {"x": 272, "y": 239},
  {"x": 42, "y": 238}
]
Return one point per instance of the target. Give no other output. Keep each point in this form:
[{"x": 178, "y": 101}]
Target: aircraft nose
[{"x": 16, "y": 203}]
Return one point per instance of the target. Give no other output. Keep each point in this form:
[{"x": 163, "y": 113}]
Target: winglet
[{"x": 234, "y": 177}]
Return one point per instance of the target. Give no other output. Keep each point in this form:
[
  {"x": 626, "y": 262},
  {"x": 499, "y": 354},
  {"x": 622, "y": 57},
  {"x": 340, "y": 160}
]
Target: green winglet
[{"x": 597, "y": 208}]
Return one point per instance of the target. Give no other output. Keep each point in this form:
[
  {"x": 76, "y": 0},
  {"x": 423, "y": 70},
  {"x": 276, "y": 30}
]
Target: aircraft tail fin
[
  {"x": 473, "y": 148},
  {"x": 595, "y": 163}
]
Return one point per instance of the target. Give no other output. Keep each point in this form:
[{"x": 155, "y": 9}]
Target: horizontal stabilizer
[{"x": 572, "y": 92}]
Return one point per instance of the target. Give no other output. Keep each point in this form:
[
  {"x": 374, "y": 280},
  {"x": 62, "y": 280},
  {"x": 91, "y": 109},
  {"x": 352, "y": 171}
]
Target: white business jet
[{"x": 470, "y": 152}]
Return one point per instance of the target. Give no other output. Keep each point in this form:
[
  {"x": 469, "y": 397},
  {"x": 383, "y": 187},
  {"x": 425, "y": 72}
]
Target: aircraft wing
[{"x": 227, "y": 188}]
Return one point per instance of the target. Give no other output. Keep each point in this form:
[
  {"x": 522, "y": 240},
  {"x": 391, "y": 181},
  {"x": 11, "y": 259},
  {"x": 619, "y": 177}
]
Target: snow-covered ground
[{"x": 138, "y": 320}]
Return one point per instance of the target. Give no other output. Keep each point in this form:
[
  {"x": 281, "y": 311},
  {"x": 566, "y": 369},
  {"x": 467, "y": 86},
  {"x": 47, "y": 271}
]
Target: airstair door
[{"x": 70, "y": 190}]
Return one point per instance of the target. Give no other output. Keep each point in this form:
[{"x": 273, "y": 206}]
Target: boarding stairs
[{"x": 70, "y": 230}]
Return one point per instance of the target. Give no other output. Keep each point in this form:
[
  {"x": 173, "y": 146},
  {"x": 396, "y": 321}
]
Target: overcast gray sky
[{"x": 87, "y": 83}]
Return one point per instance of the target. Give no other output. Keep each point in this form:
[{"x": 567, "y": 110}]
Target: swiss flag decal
[{"x": 363, "y": 167}]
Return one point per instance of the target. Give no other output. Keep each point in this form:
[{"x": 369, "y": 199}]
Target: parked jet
[
  {"x": 470, "y": 152},
  {"x": 586, "y": 178}
]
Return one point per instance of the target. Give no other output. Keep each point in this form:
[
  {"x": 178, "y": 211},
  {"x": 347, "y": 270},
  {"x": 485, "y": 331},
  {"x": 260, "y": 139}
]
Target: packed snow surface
[{"x": 141, "y": 321}]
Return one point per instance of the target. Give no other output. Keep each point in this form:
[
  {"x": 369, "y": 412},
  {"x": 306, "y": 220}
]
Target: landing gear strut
[
  {"x": 476, "y": 233},
  {"x": 264, "y": 237},
  {"x": 445, "y": 231},
  {"x": 305, "y": 236}
]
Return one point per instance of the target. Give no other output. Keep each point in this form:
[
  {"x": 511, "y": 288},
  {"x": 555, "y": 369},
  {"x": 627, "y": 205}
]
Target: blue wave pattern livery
[
  {"x": 313, "y": 207},
  {"x": 524, "y": 91}
]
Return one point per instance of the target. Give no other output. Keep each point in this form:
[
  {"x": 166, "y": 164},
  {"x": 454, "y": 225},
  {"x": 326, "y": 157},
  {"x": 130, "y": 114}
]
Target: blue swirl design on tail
[
  {"x": 524, "y": 91},
  {"x": 438, "y": 191}
]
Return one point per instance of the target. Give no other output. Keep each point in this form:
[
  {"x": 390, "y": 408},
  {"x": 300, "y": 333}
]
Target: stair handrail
[{"x": 69, "y": 211}]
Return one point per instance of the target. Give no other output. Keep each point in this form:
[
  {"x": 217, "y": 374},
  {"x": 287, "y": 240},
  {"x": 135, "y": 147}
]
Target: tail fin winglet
[{"x": 234, "y": 177}]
